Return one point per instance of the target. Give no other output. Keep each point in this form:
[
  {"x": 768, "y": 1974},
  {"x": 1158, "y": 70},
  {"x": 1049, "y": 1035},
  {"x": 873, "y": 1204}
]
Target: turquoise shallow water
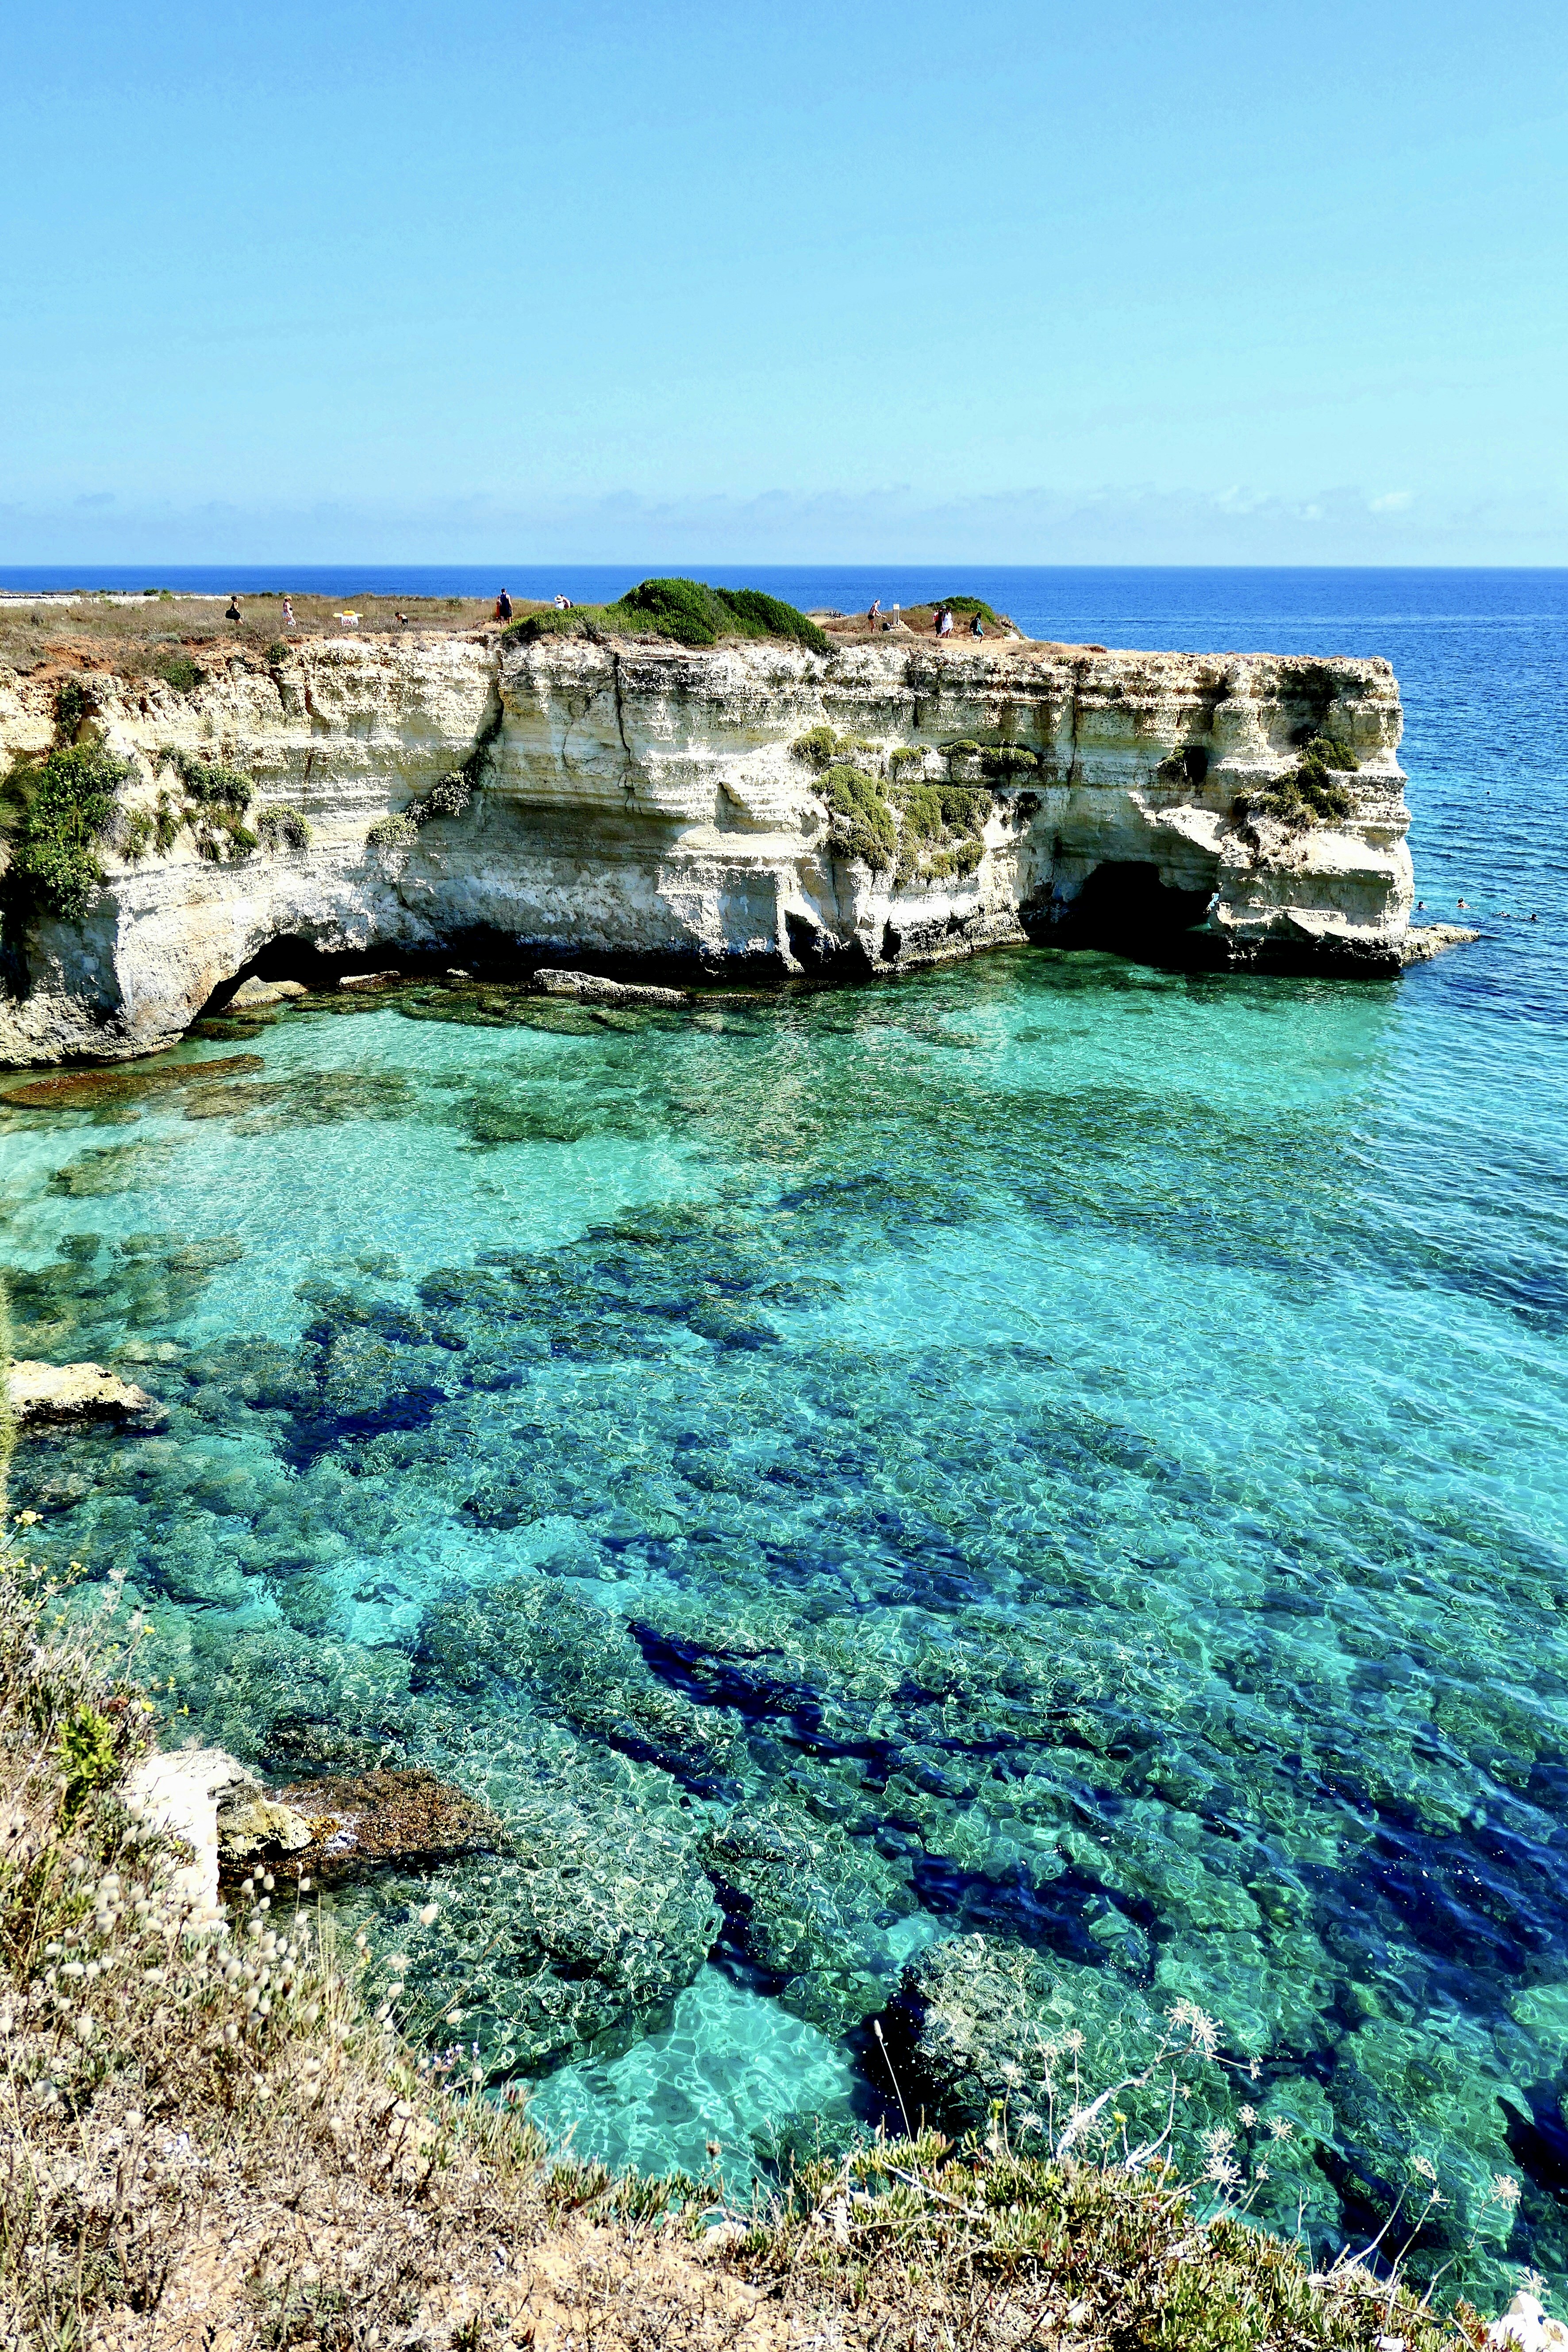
[{"x": 1053, "y": 1448}]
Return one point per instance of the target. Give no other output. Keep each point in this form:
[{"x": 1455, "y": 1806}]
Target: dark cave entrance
[{"x": 1124, "y": 907}]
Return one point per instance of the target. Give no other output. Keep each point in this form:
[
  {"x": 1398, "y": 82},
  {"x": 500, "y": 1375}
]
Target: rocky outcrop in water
[
  {"x": 45, "y": 1395},
  {"x": 751, "y": 807},
  {"x": 330, "y": 1828}
]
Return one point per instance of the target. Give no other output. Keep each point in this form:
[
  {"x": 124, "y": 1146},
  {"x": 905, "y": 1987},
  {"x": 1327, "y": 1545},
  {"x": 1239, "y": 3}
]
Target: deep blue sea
[{"x": 1055, "y": 1449}]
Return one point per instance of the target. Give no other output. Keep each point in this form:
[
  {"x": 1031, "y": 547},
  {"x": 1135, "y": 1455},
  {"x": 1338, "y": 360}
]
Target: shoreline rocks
[
  {"x": 254, "y": 995},
  {"x": 1425, "y": 941},
  {"x": 589, "y": 988},
  {"x": 331, "y": 1829},
  {"x": 181, "y": 1791},
  {"x": 60, "y": 1395}
]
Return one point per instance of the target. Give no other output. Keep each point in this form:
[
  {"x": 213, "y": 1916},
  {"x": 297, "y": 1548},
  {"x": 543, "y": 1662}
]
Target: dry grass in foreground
[{"x": 209, "y": 2139}]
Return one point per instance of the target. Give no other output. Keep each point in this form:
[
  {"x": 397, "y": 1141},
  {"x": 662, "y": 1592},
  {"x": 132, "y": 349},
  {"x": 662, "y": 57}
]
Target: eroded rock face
[{"x": 641, "y": 800}]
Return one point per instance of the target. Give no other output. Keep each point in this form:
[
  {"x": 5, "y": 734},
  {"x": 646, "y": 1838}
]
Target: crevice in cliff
[
  {"x": 631, "y": 786},
  {"x": 1077, "y": 670}
]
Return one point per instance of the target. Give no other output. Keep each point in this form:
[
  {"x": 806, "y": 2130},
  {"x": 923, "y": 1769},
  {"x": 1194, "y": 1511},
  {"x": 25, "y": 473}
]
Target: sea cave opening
[{"x": 1124, "y": 907}]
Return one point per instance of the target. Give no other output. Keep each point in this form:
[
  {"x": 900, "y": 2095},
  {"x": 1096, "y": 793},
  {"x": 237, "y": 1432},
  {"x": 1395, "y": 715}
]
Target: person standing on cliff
[
  {"x": 503, "y": 607},
  {"x": 977, "y": 626},
  {"x": 875, "y": 615},
  {"x": 233, "y": 613},
  {"x": 288, "y": 611}
]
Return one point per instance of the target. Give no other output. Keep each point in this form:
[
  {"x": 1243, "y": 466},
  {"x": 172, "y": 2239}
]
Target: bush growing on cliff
[
  {"x": 864, "y": 826},
  {"x": 1323, "y": 752},
  {"x": 283, "y": 827},
  {"x": 821, "y": 747},
  {"x": 687, "y": 612},
  {"x": 931, "y": 811},
  {"x": 215, "y": 798},
  {"x": 178, "y": 670},
  {"x": 56, "y": 812},
  {"x": 447, "y": 797},
  {"x": 73, "y": 703},
  {"x": 208, "y": 782},
  {"x": 392, "y": 833}
]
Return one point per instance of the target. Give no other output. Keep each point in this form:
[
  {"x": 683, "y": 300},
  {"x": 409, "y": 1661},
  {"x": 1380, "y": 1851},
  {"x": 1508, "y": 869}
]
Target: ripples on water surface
[{"x": 1053, "y": 1448}]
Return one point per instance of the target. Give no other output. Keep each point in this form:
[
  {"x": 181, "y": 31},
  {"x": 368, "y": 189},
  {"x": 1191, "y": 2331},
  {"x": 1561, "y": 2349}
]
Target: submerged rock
[
  {"x": 978, "y": 2021},
  {"x": 43, "y": 1394},
  {"x": 591, "y": 989},
  {"x": 328, "y": 1829},
  {"x": 125, "y": 1084}
]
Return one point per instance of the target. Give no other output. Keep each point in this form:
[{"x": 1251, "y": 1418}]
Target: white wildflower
[
  {"x": 1199, "y": 2027},
  {"x": 1248, "y": 2115},
  {"x": 428, "y": 1914},
  {"x": 1504, "y": 2190},
  {"x": 1281, "y": 2127},
  {"x": 1424, "y": 2166}
]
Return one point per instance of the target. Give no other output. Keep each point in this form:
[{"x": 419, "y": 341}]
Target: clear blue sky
[{"x": 1160, "y": 282}]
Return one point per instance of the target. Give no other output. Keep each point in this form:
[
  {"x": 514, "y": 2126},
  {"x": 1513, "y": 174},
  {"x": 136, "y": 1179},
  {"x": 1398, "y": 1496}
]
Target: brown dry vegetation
[
  {"x": 212, "y": 2135},
  {"x": 135, "y": 638}
]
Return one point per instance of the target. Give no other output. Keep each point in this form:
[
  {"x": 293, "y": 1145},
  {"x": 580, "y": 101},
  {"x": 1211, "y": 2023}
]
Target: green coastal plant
[
  {"x": 687, "y": 612},
  {"x": 56, "y": 812},
  {"x": 392, "y": 833},
  {"x": 208, "y": 782},
  {"x": 178, "y": 670},
  {"x": 448, "y": 797},
  {"x": 137, "y": 829},
  {"x": 281, "y": 826},
  {"x": 73, "y": 702},
  {"x": 820, "y": 747},
  {"x": 864, "y": 825},
  {"x": 215, "y": 799},
  {"x": 1312, "y": 795}
]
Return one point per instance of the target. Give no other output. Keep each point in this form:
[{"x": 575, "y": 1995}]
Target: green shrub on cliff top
[
  {"x": 55, "y": 813},
  {"x": 689, "y": 612}
]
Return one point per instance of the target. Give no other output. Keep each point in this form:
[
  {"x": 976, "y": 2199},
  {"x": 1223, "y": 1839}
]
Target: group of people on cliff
[{"x": 941, "y": 620}]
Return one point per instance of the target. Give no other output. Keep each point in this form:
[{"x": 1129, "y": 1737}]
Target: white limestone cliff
[{"x": 634, "y": 800}]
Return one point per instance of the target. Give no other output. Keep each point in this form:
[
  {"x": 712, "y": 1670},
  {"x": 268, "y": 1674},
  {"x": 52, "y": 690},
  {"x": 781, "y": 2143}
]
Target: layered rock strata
[{"x": 579, "y": 801}]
